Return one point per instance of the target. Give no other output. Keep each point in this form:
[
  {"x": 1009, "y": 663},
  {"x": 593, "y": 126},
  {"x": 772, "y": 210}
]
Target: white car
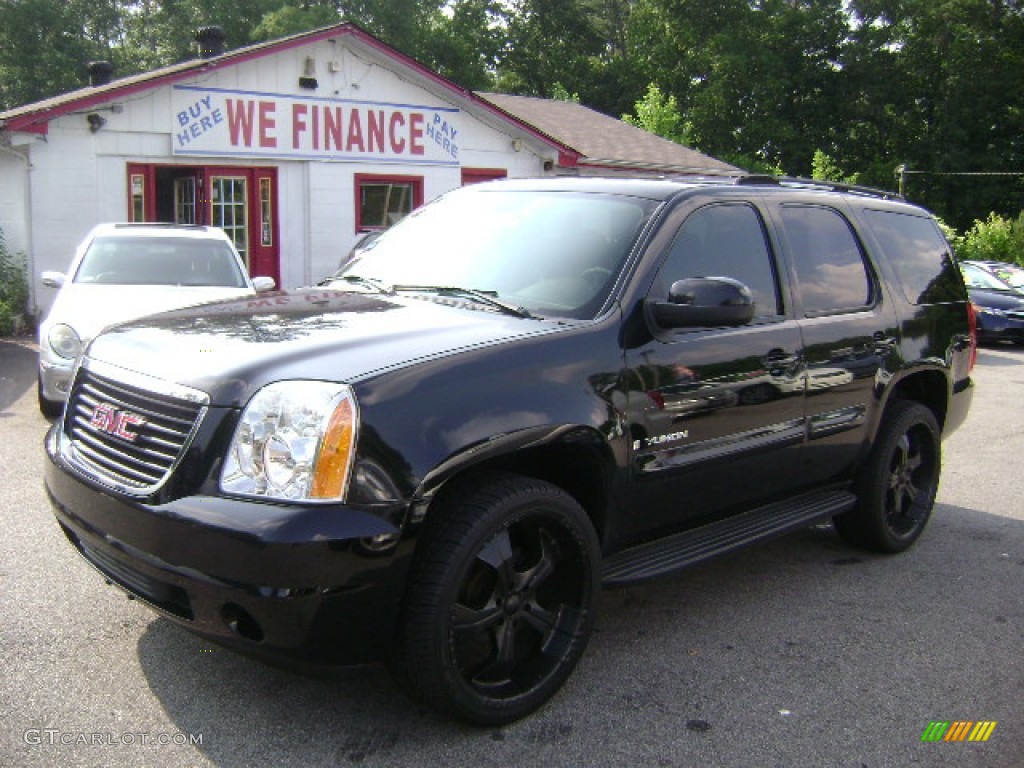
[{"x": 123, "y": 271}]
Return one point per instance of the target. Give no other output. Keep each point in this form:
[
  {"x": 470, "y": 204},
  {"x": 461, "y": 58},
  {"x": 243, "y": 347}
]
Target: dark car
[
  {"x": 528, "y": 390},
  {"x": 1011, "y": 274},
  {"x": 998, "y": 305}
]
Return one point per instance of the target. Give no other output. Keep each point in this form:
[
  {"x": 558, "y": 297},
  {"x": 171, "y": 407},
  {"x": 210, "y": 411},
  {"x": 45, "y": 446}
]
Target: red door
[{"x": 241, "y": 201}]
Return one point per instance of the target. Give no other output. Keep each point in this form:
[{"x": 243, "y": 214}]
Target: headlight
[
  {"x": 295, "y": 441},
  {"x": 64, "y": 341}
]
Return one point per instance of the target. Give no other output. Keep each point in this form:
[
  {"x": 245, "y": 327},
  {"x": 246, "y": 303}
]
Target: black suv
[{"x": 525, "y": 391}]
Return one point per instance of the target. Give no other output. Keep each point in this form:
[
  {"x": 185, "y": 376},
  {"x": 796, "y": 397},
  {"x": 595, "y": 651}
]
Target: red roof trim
[{"x": 36, "y": 121}]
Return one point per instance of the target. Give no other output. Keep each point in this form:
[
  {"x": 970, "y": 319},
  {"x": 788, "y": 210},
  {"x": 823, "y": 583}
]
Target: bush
[
  {"x": 13, "y": 287},
  {"x": 995, "y": 239}
]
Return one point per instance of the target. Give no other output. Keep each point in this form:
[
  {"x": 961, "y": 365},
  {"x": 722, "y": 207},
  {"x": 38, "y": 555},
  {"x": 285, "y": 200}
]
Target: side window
[
  {"x": 830, "y": 270},
  {"x": 919, "y": 255},
  {"x": 723, "y": 241}
]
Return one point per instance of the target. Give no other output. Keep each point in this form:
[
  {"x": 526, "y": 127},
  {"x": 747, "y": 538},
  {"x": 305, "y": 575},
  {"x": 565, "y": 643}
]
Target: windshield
[
  {"x": 551, "y": 253},
  {"x": 979, "y": 278},
  {"x": 1010, "y": 274},
  {"x": 160, "y": 261}
]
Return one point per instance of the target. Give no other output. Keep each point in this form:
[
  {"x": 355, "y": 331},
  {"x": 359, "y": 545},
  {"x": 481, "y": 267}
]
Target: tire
[
  {"x": 896, "y": 488},
  {"x": 500, "y": 600},
  {"x": 51, "y": 409}
]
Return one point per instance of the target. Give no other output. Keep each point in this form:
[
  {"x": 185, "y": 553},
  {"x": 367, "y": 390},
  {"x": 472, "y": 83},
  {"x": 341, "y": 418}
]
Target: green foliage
[
  {"x": 293, "y": 20},
  {"x": 13, "y": 287},
  {"x": 659, "y": 114},
  {"x": 560, "y": 93},
  {"x": 824, "y": 168},
  {"x": 997, "y": 238},
  {"x": 753, "y": 164}
]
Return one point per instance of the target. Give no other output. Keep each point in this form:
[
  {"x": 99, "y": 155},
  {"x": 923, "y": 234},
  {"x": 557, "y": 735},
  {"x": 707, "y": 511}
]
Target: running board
[{"x": 684, "y": 549}]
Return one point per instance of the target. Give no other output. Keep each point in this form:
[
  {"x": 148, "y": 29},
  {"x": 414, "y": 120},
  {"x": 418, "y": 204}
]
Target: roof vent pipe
[
  {"x": 211, "y": 42},
  {"x": 100, "y": 72}
]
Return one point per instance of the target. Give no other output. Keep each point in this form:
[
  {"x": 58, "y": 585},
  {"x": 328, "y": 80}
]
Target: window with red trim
[
  {"x": 478, "y": 175},
  {"x": 384, "y": 200}
]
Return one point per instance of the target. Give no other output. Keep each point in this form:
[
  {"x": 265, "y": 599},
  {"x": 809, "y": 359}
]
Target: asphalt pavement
[{"x": 800, "y": 652}]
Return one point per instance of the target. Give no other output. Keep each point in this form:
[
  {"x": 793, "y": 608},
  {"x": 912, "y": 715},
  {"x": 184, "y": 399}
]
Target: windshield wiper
[
  {"x": 372, "y": 282},
  {"x": 487, "y": 298}
]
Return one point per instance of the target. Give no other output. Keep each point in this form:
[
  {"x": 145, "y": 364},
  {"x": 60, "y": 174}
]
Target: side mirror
[
  {"x": 52, "y": 279},
  {"x": 263, "y": 284},
  {"x": 705, "y": 302}
]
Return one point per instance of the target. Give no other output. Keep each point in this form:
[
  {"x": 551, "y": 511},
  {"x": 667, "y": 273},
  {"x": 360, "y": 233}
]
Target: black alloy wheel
[
  {"x": 500, "y": 602},
  {"x": 896, "y": 488}
]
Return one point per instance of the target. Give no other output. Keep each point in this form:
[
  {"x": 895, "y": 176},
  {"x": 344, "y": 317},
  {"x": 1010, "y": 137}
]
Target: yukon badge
[{"x": 107, "y": 418}]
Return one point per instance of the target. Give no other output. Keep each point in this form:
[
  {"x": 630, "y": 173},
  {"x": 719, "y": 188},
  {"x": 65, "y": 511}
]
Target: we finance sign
[{"x": 216, "y": 122}]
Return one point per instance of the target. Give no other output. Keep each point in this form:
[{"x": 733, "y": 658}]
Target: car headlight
[
  {"x": 295, "y": 441},
  {"x": 64, "y": 341}
]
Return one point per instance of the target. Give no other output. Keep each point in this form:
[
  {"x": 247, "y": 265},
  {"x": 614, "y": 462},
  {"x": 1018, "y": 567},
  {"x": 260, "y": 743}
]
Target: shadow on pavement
[
  {"x": 18, "y": 362},
  {"x": 806, "y": 616}
]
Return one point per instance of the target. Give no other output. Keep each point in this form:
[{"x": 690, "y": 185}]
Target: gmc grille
[{"x": 128, "y": 435}]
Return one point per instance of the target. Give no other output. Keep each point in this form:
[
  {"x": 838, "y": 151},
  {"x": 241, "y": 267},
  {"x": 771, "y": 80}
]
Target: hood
[
  {"x": 231, "y": 349},
  {"x": 89, "y": 308}
]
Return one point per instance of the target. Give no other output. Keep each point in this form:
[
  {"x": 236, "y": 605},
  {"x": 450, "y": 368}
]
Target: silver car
[{"x": 123, "y": 271}]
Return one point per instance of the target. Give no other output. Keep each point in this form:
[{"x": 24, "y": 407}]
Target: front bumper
[
  {"x": 320, "y": 584},
  {"x": 55, "y": 379},
  {"x": 1004, "y": 326}
]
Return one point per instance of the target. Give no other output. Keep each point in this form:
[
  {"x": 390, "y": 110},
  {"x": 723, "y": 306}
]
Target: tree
[
  {"x": 46, "y": 44},
  {"x": 659, "y": 114}
]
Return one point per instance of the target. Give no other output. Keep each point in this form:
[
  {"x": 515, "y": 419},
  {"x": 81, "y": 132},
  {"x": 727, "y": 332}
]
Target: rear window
[{"x": 920, "y": 256}]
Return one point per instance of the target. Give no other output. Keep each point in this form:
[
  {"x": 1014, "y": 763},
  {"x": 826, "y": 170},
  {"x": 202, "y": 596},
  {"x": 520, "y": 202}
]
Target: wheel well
[
  {"x": 576, "y": 468},
  {"x": 928, "y": 388}
]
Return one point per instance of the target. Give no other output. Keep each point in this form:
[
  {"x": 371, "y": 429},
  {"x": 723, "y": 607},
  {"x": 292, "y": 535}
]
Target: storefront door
[{"x": 241, "y": 201}]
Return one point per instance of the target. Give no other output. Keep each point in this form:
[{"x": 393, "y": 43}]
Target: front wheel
[
  {"x": 499, "y": 606},
  {"x": 896, "y": 487}
]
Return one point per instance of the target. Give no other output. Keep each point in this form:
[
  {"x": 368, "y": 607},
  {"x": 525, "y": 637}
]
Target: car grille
[{"x": 128, "y": 435}]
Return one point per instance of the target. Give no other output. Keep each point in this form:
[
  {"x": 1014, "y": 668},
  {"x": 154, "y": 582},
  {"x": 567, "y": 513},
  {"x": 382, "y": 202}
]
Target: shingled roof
[{"x": 606, "y": 142}]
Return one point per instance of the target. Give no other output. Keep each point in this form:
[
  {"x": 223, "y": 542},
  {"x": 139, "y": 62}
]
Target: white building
[{"x": 294, "y": 147}]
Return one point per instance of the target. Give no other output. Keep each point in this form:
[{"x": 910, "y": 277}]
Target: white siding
[{"x": 79, "y": 178}]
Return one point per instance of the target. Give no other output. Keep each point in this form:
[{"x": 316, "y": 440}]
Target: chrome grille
[{"x": 127, "y": 430}]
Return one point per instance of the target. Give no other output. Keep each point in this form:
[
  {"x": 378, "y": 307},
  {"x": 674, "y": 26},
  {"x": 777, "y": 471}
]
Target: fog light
[{"x": 241, "y": 622}]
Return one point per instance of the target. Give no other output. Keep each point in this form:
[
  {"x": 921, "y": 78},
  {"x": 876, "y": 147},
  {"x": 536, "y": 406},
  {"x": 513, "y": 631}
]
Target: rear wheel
[
  {"x": 897, "y": 486},
  {"x": 500, "y": 601}
]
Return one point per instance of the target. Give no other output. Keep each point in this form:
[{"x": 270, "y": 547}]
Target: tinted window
[
  {"x": 919, "y": 254},
  {"x": 830, "y": 270},
  {"x": 723, "y": 241}
]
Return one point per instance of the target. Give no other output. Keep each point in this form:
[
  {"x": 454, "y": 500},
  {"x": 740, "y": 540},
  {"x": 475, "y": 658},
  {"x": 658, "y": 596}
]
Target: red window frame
[
  {"x": 478, "y": 175},
  {"x": 373, "y": 178}
]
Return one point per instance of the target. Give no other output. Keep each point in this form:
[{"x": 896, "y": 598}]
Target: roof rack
[{"x": 828, "y": 186}]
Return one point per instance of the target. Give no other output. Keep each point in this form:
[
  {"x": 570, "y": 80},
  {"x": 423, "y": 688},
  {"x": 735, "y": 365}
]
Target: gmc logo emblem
[{"x": 107, "y": 418}]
